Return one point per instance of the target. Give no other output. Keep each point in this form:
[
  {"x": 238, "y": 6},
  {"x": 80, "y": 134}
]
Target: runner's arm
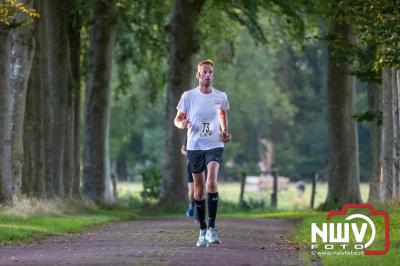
[
  {"x": 183, "y": 150},
  {"x": 180, "y": 120},
  {"x": 223, "y": 119}
]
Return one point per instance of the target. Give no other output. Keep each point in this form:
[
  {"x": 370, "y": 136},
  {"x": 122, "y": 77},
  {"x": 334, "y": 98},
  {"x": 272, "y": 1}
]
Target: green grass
[
  {"x": 129, "y": 189},
  {"x": 229, "y": 195},
  {"x": 17, "y": 229},
  {"x": 287, "y": 199},
  {"x": 290, "y": 204}
]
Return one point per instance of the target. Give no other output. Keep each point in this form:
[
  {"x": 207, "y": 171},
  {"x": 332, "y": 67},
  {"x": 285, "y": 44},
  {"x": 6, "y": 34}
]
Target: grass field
[{"x": 229, "y": 193}]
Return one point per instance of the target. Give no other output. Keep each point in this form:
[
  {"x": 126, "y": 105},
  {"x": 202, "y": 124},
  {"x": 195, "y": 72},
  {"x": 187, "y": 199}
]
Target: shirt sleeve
[
  {"x": 183, "y": 103},
  {"x": 225, "y": 103}
]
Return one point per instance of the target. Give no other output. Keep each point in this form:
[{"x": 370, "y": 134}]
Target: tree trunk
[
  {"x": 343, "y": 182},
  {"x": 5, "y": 115},
  {"x": 396, "y": 133},
  {"x": 96, "y": 171},
  {"x": 33, "y": 178},
  {"x": 47, "y": 100},
  {"x": 75, "y": 52},
  {"x": 69, "y": 142},
  {"x": 48, "y": 120},
  {"x": 397, "y": 155},
  {"x": 22, "y": 50},
  {"x": 387, "y": 152},
  {"x": 374, "y": 103},
  {"x": 59, "y": 58},
  {"x": 184, "y": 44},
  {"x": 71, "y": 151},
  {"x": 55, "y": 74}
]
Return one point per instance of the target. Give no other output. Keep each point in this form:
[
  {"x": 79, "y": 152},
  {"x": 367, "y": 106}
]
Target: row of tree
[
  {"x": 363, "y": 43},
  {"x": 40, "y": 99},
  {"x": 40, "y": 133},
  {"x": 49, "y": 48},
  {"x": 366, "y": 49}
]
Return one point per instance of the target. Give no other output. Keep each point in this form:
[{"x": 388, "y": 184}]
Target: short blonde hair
[{"x": 204, "y": 62}]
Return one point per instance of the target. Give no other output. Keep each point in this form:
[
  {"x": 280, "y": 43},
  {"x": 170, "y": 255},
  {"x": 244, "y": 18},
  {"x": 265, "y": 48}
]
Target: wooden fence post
[
  {"x": 242, "y": 184},
  {"x": 274, "y": 195},
  {"x": 313, "y": 188},
  {"x": 114, "y": 185}
]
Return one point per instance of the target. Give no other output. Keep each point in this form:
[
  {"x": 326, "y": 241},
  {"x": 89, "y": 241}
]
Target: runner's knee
[
  {"x": 199, "y": 191},
  {"x": 212, "y": 186},
  {"x": 199, "y": 194}
]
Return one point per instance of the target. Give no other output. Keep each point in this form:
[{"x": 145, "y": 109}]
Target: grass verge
[{"x": 16, "y": 228}]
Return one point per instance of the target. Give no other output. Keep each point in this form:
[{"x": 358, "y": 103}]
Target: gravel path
[{"x": 163, "y": 241}]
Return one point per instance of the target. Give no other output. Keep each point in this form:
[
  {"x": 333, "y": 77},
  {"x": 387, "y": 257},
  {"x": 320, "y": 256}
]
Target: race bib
[{"x": 205, "y": 129}]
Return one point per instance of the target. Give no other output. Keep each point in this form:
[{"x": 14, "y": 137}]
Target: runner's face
[{"x": 206, "y": 75}]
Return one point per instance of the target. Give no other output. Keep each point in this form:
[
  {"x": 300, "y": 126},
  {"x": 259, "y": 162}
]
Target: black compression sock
[
  {"x": 201, "y": 212},
  {"x": 212, "y": 201}
]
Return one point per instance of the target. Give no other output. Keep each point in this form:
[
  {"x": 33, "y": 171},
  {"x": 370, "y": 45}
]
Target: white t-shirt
[{"x": 202, "y": 110}]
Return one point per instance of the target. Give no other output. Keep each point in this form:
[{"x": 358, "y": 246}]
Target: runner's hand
[
  {"x": 226, "y": 137},
  {"x": 185, "y": 123}
]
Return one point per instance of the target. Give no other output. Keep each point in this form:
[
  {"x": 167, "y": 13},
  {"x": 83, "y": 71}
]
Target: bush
[
  {"x": 253, "y": 204},
  {"x": 151, "y": 183}
]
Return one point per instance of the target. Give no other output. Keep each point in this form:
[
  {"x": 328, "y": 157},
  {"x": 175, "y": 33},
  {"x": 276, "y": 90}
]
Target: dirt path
[{"x": 163, "y": 241}]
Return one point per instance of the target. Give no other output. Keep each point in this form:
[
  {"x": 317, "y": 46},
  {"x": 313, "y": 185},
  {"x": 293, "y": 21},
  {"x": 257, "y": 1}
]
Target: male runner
[{"x": 203, "y": 111}]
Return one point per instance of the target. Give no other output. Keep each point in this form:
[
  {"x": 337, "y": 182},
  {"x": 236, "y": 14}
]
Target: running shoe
[
  {"x": 212, "y": 237},
  {"x": 202, "y": 241}
]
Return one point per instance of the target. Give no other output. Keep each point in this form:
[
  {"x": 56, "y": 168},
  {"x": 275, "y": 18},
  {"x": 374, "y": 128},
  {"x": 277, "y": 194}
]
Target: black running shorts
[
  {"x": 189, "y": 173},
  {"x": 198, "y": 159}
]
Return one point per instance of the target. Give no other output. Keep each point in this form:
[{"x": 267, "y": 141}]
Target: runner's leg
[
  {"x": 212, "y": 192},
  {"x": 213, "y": 161},
  {"x": 199, "y": 188},
  {"x": 191, "y": 208},
  {"x": 191, "y": 192},
  {"x": 197, "y": 165}
]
